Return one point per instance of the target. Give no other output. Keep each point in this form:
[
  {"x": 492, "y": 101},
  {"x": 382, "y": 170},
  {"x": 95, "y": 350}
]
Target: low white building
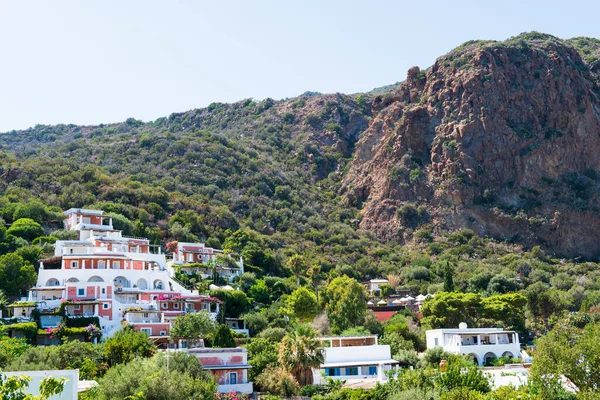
[
  {"x": 481, "y": 344},
  {"x": 373, "y": 286},
  {"x": 354, "y": 358}
]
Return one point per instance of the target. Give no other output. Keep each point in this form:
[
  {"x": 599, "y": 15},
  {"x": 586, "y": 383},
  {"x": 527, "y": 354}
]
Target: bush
[
  {"x": 412, "y": 215},
  {"x": 25, "y": 228}
]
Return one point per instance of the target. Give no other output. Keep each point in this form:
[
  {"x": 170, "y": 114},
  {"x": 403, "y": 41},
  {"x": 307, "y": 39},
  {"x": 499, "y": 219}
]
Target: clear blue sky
[{"x": 88, "y": 62}]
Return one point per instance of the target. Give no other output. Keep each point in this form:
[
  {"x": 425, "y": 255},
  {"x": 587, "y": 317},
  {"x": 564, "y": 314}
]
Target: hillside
[{"x": 498, "y": 137}]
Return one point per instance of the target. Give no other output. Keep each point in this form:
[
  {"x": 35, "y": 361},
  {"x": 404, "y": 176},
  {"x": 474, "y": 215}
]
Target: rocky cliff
[{"x": 499, "y": 137}]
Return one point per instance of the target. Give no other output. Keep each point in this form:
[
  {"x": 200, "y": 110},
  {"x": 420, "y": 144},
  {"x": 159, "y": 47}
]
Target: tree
[
  {"x": 278, "y": 381},
  {"x": 25, "y": 228},
  {"x": 193, "y": 325},
  {"x": 448, "y": 309},
  {"x": 222, "y": 337},
  {"x": 180, "y": 377},
  {"x": 299, "y": 353},
  {"x": 235, "y": 302},
  {"x": 303, "y": 304},
  {"x": 296, "y": 266},
  {"x": 256, "y": 322},
  {"x": 14, "y": 387},
  {"x": 16, "y": 275},
  {"x": 542, "y": 302},
  {"x": 448, "y": 281},
  {"x": 571, "y": 352},
  {"x": 126, "y": 345},
  {"x": 345, "y": 302},
  {"x": 261, "y": 353},
  {"x": 11, "y": 349},
  {"x": 259, "y": 292}
]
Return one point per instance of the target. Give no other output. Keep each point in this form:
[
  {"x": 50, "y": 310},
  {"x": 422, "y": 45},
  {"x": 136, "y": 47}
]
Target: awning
[{"x": 229, "y": 366}]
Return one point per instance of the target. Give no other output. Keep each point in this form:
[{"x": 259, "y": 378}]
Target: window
[
  {"x": 332, "y": 372},
  {"x": 163, "y": 333},
  {"x": 233, "y": 378},
  {"x": 176, "y": 306},
  {"x": 435, "y": 342},
  {"x": 105, "y": 306},
  {"x": 116, "y": 264},
  {"x": 77, "y": 307},
  {"x": 101, "y": 264},
  {"x": 80, "y": 292},
  {"x": 163, "y": 305},
  {"x": 372, "y": 370},
  {"x": 145, "y": 315},
  {"x": 147, "y": 330},
  {"x": 352, "y": 371},
  {"x": 190, "y": 257},
  {"x": 74, "y": 264},
  {"x": 103, "y": 290}
]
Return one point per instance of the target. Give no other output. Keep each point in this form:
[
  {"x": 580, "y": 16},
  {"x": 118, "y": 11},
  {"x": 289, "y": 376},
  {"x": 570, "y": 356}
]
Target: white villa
[
  {"x": 481, "y": 344},
  {"x": 113, "y": 277},
  {"x": 354, "y": 358},
  {"x": 188, "y": 255}
]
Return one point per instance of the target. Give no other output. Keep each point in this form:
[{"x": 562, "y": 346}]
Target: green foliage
[
  {"x": 571, "y": 352},
  {"x": 261, "y": 354},
  {"x": 277, "y": 381},
  {"x": 15, "y": 387},
  {"x": 126, "y": 345},
  {"x": 16, "y": 275},
  {"x": 344, "y": 302},
  {"x": 303, "y": 304},
  {"x": 299, "y": 353},
  {"x": 235, "y": 302},
  {"x": 25, "y": 228},
  {"x": 151, "y": 380},
  {"x": 222, "y": 337},
  {"x": 11, "y": 349},
  {"x": 193, "y": 326}
]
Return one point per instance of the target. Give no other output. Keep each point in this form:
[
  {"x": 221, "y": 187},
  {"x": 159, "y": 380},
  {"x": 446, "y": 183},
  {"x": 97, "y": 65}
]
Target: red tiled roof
[{"x": 383, "y": 316}]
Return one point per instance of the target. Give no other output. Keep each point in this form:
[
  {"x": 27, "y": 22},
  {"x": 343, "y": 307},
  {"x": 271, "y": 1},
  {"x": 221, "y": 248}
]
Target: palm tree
[
  {"x": 296, "y": 266},
  {"x": 299, "y": 353}
]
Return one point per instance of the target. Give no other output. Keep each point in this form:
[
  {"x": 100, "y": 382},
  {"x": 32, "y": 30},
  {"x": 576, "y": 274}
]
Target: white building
[
  {"x": 354, "y": 358},
  {"x": 481, "y": 344},
  {"x": 188, "y": 256},
  {"x": 228, "y": 366},
  {"x": 103, "y": 273},
  {"x": 373, "y": 286}
]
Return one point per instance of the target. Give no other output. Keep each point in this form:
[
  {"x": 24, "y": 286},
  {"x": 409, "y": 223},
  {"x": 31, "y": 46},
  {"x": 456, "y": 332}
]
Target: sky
[{"x": 101, "y": 61}]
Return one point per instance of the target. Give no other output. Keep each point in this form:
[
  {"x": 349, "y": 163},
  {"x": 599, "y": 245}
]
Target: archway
[
  {"x": 72, "y": 280},
  {"x": 142, "y": 284},
  {"x": 473, "y": 357},
  {"x": 489, "y": 357},
  {"x": 121, "y": 281},
  {"x": 508, "y": 354},
  {"x": 96, "y": 278},
  {"x": 158, "y": 284},
  {"x": 52, "y": 282}
]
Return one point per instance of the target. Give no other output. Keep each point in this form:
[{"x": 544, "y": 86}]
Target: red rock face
[{"x": 502, "y": 138}]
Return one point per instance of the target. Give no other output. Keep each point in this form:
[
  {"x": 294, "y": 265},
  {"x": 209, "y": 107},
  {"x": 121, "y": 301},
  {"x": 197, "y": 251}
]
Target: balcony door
[{"x": 233, "y": 378}]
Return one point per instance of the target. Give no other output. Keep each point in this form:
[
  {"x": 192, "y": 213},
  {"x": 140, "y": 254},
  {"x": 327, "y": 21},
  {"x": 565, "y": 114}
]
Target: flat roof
[
  {"x": 83, "y": 211},
  {"x": 347, "y": 337},
  {"x": 357, "y": 363},
  {"x": 228, "y": 366},
  {"x": 471, "y": 331}
]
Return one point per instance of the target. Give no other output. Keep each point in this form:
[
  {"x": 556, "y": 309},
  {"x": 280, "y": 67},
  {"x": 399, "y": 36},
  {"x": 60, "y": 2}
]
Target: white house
[
  {"x": 481, "y": 344},
  {"x": 228, "y": 366},
  {"x": 374, "y": 285},
  {"x": 354, "y": 358}
]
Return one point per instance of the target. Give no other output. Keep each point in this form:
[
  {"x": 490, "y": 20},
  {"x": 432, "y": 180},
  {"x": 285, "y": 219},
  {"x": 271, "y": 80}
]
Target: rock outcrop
[{"x": 499, "y": 137}]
